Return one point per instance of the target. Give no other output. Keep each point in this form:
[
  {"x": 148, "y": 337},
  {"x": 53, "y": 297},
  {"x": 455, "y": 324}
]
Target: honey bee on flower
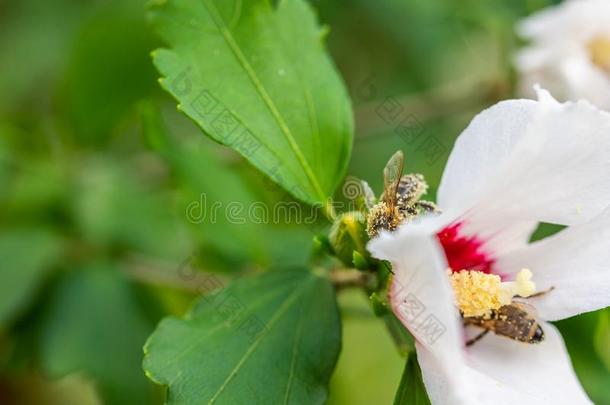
[{"x": 472, "y": 270}]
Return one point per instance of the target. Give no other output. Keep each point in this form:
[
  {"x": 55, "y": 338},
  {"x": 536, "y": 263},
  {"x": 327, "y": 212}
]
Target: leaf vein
[
  {"x": 293, "y": 361},
  {"x": 187, "y": 350},
  {"x": 272, "y": 322},
  {"x": 262, "y": 91}
]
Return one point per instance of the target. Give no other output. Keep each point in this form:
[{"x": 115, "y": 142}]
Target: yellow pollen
[
  {"x": 599, "y": 51},
  {"x": 477, "y": 293},
  {"x": 523, "y": 285}
]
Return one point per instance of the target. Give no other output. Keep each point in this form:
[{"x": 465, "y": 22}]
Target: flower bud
[{"x": 348, "y": 235}]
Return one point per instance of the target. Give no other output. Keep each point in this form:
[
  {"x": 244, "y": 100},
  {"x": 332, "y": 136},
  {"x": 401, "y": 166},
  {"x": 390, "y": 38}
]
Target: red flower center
[{"x": 464, "y": 252}]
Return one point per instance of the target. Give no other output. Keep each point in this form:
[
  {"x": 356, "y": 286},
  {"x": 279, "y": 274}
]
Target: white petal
[
  {"x": 421, "y": 295},
  {"x": 528, "y": 373},
  {"x": 560, "y": 172},
  {"x": 555, "y": 168},
  {"x": 440, "y": 386},
  {"x": 482, "y": 148},
  {"x": 493, "y": 370},
  {"x": 572, "y": 20},
  {"x": 478, "y": 156},
  {"x": 586, "y": 81},
  {"x": 558, "y": 56},
  {"x": 576, "y": 261},
  {"x": 505, "y": 372}
]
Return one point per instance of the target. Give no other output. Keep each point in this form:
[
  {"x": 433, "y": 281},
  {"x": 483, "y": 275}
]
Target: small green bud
[{"x": 348, "y": 235}]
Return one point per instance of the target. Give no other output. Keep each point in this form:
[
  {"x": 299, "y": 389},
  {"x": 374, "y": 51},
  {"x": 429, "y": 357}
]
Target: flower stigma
[{"x": 478, "y": 293}]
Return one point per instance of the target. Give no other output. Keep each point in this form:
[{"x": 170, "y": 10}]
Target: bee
[
  {"x": 516, "y": 321},
  {"x": 400, "y": 199}
]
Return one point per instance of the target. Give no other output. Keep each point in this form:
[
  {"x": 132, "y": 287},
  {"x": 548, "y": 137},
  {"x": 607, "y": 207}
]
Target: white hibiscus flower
[
  {"x": 519, "y": 163},
  {"x": 570, "y": 51}
]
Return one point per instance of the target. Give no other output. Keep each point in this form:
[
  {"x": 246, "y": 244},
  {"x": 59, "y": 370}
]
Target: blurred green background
[{"x": 94, "y": 236}]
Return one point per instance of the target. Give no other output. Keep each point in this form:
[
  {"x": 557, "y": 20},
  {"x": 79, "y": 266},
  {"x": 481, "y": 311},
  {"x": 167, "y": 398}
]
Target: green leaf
[
  {"x": 411, "y": 390},
  {"x": 27, "y": 255},
  {"x": 96, "y": 322},
  {"x": 258, "y": 79},
  {"x": 579, "y": 334},
  {"x": 602, "y": 337},
  {"x": 269, "y": 339}
]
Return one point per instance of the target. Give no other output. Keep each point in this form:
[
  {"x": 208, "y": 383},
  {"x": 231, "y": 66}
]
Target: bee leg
[
  {"x": 477, "y": 337},
  {"x": 538, "y": 294}
]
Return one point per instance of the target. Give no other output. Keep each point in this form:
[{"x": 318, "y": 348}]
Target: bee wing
[
  {"x": 524, "y": 306},
  {"x": 391, "y": 177}
]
